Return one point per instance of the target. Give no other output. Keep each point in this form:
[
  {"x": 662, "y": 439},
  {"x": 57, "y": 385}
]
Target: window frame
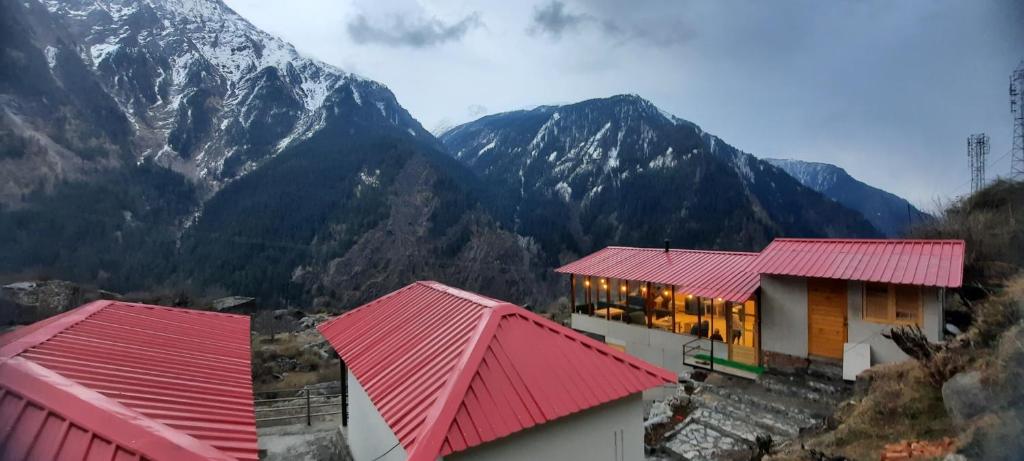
[{"x": 891, "y": 305}]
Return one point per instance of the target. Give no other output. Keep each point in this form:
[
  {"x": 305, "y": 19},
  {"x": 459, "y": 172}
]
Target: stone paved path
[{"x": 729, "y": 413}]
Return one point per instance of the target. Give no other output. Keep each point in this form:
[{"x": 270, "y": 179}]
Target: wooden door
[{"x": 826, "y": 317}]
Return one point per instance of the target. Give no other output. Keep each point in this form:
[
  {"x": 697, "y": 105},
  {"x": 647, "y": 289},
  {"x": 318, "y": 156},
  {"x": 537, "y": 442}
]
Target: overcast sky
[{"x": 889, "y": 90}]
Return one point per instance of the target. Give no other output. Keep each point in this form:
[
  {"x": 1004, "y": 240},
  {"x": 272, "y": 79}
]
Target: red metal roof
[
  {"x": 450, "y": 369},
  {"x": 937, "y": 263},
  {"x": 709, "y": 274},
  {"x": 112, "y": 380}
]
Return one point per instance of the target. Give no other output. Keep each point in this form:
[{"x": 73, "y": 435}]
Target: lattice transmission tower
[
  {"x": 977, "y": 150},
  {"x": 1017, "y": 110}
]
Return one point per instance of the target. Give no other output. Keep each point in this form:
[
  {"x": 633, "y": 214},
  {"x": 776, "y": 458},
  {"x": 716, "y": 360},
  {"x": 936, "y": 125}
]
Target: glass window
[{"x": 718, "y": 324}]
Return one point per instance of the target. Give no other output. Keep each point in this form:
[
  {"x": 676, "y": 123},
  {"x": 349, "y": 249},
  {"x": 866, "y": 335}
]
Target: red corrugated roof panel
[
  {"x": 709, "y": 274},
  {"x": 130, "y": 380},
  {"x": 450, "y": 369},
  {"x": 937, "y": 263}
]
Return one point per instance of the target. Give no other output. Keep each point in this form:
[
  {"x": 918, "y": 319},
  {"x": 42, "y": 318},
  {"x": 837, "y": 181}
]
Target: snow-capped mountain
[
  {"x": 818, "y": 176},
  {"x": 888, "y": 212},
  {"x": 148, "y": 143},
  {"x": 620, "y": 170},
  {"x": 202, "y": 90}
]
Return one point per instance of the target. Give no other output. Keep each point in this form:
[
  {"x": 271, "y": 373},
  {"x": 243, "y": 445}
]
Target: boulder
[{"x": 965, "y": 397}]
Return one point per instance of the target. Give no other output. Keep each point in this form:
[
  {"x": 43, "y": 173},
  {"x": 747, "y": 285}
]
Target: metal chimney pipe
[{"x": 666, "y": 245}]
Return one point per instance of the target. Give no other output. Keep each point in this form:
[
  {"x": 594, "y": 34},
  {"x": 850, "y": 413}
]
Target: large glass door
[{"x": 743, "y": 332}]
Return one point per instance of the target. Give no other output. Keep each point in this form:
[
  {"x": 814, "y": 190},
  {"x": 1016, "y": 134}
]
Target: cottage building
[
  {"x": 798, "y": 299},
  {"x": 120, "y": 381},
  {"x": 439, "y": 373}
]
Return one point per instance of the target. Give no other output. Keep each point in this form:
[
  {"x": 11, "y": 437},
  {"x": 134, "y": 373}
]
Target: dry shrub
[
  {"x": 287, "y": 361},
  {"x": 900, "y": 399},
  {"x": 301, "y": 379},
  {"x": 310, "y": 359},
  {"x": 289, "y": 348},
  {"x": 992, "y": 317},
  {"x": 991, "y": 222},
  {"x": 939, "y": 362},
  {"x": 1003, "y": 370},
  {"x": 998, "y": 313}
]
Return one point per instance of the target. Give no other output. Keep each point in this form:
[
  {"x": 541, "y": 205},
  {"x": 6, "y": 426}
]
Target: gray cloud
[
  {"x": 877, "y": 87},
  {"x": 553, "y": 20},
  {"x": 476, "y": 110},
  {"x": 416, "y": 33}
]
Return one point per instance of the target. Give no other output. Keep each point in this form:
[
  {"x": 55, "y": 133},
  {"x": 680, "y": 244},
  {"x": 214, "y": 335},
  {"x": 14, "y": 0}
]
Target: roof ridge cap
[
  {"x": 856, "y": 239},
  {"x": 691, "y": 250},
  {"x": 353, "y": 310},
  {"x": 474, "y": 298},
  {"x": 428, "y": 446},
  {"x": 187, "y": 310},
  {"x": 54, "y": 327}
]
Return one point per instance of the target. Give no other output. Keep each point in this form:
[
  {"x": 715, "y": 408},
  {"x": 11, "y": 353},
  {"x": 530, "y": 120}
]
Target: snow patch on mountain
[
  {"x": 201, "y": 85},
  {"x": 817, "y": 176},
  {"x": 51, "y": 56},
  {"x": 564, "y": 191},
  {"x": 543, "y": 131},
  {"x": 487, "y": 148},
  {"x": 666, "y": 160}
]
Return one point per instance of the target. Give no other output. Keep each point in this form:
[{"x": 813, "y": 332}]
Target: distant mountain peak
[
  {"x": 816, "y": 175},
  {"x": 204, "y": 91},
  {"x": 619, "y": 170},
  {"x": 888, "y": 212}
]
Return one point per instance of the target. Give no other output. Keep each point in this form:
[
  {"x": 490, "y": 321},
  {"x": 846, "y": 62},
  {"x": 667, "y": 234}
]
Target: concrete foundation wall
[
  {"x": 784, "y": 315},
  {"x": 613, "y": 431},
  {"x": 369, "y": 436}
]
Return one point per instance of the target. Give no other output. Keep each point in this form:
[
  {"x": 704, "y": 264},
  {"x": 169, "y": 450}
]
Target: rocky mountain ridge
[
  {"x": 619, "y": 170},
  {"x": 190, "y": 84},
  {"x": 891, "y": 214}
]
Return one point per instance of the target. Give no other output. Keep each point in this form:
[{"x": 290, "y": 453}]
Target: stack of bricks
[{"x": 907, "y": 450}]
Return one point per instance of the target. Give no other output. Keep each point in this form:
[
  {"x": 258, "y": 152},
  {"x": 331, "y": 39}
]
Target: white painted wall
[
  {"x": 784, "y": 315},
  {"x": 658, "y": 347},
  {"x": 369, "y": 436},
  {"x": 865, "y": 332},
  {"x": 613, "y": 431}
]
